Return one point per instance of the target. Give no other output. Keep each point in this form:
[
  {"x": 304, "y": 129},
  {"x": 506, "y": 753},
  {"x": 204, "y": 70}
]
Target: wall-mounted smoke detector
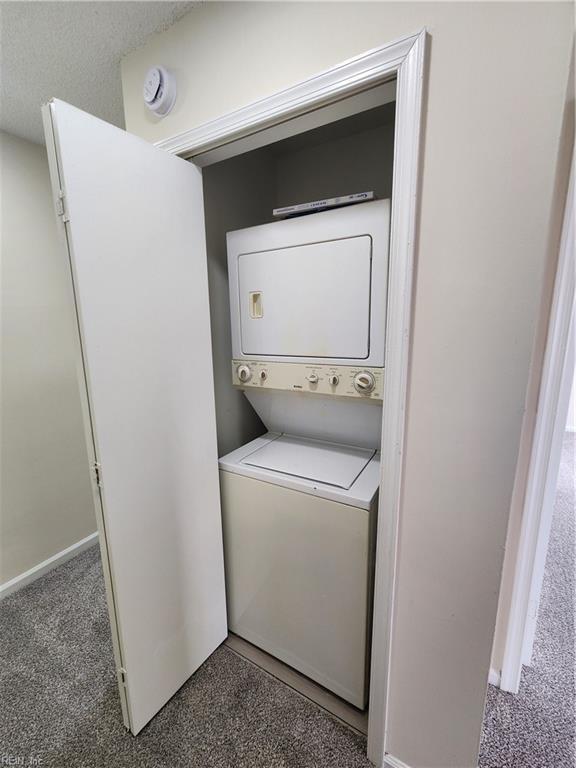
[{"x": 159, "y": 90}]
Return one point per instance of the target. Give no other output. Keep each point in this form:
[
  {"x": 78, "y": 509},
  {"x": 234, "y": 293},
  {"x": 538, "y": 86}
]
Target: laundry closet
[
  {"x": 273, "y": 536},
  {"x": 300, "y": 368}
]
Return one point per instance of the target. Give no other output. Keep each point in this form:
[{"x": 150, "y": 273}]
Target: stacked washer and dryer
[{"x": 308, "y": 314}]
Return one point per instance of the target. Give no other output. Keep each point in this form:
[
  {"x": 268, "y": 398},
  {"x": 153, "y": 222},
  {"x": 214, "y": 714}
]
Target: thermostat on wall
[{"x": 159, "y": 90}]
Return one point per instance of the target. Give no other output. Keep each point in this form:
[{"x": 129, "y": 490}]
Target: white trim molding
[
  {"x": 47, "y": 565},
  {"x": 401, "y": 61},
  {"x": 494, "y": 677},
  {"x": 410, "y": 75},
  {"x": 346, "y": 79},
  {"x": 557, "y": 374},
  {"x": 392, "y": 762}
]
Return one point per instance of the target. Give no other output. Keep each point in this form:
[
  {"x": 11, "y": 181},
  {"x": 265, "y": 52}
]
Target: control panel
[{"x": 338, "y": 380}]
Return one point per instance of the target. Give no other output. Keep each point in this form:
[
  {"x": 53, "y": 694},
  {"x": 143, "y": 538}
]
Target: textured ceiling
[{"x": 72, "y": 51}]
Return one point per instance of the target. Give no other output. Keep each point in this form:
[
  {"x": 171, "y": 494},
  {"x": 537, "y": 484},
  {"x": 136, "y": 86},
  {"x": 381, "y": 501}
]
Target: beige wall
[
  {"x": 533, "y": 388},
  {"x": 46, "y": 497},
  {"x": 355, "y": 163},
  {"x": 488, "y": 226}
]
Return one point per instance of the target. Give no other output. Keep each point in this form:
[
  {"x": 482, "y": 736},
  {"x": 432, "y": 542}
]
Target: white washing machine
[{"x": 308, "y": 308}]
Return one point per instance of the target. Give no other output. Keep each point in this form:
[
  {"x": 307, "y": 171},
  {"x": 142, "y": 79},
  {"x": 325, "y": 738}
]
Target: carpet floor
[
  {"x": 537, "y": 727},
  {"x": 60, "y": 706}
]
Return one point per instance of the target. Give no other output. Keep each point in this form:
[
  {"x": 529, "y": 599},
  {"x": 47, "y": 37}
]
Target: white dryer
[
  {"x": 308, "y": 308},
  {"x": 312, "y": 289}
]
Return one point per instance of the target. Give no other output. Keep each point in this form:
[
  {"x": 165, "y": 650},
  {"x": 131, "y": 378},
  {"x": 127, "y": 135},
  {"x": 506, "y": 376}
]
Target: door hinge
[
  {"x": 98, "y": 474},
  {"x": 122, "y": 675},
  {"x": 60, "y": 207}
]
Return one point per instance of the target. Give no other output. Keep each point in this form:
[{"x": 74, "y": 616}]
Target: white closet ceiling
[{"x": 71, "y": 50}]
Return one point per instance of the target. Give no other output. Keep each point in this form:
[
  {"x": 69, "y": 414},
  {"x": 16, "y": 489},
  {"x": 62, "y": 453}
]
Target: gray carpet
[
  {"x": 60, "y": 705},
  {"x": 537, "y": 727}
]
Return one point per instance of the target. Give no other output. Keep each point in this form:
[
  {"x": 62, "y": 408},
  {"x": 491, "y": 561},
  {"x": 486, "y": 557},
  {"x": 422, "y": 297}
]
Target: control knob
[
  {"x": 312, "y": 378},
  {"x": 244, "y": 373},
  {"x": 364, "y": 383},
  {"x": 333, "y": 380}
]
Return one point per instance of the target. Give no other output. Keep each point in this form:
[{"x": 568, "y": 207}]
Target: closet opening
[{"x": 297, "y": 309}]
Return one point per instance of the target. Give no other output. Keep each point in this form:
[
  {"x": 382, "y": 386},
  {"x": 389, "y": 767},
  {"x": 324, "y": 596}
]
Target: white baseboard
[
  {"x": 392, "y": 762},
  {"x": 52, "y": 562},
  {"x": 494, "y": 677}
]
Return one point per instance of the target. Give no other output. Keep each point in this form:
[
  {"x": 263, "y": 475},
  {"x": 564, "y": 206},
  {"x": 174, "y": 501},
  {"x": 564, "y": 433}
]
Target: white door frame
[
  {"x": 555, "y": 386},
  {"x": 403, "y": 60}
]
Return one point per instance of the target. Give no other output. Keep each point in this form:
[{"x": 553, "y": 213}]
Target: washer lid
[{"x": 328, "y": 463}]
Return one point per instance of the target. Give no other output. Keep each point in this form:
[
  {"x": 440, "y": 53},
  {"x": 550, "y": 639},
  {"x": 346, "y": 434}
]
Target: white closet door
[{"x": 135, "y": 234}]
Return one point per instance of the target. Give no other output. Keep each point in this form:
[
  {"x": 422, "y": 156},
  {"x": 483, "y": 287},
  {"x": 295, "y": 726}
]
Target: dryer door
[
  {"x": 308, "y": 300},
  {"x": 134, "y": 229}
]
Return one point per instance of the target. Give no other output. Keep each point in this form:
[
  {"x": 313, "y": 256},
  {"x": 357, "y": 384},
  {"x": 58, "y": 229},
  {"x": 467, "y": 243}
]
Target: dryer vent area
[{"x": 298, "y": 315}]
